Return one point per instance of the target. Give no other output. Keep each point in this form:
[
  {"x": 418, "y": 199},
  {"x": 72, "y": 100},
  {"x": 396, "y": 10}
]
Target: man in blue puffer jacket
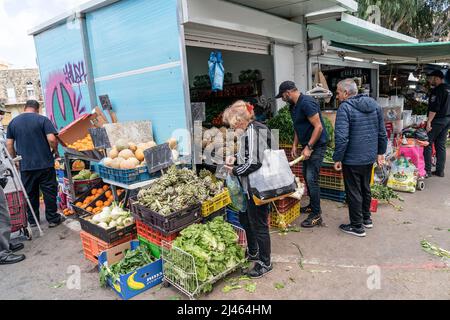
[{"x": 361, "y": 140}]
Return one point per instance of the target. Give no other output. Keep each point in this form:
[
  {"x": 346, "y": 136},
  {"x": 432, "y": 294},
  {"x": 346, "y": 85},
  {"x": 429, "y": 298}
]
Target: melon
[
  {"x": 113, "y": 153},
  {"x": 128, "y": 164},
  {"x": 121, "y": 145},
  {"x": 139, "y": 154},
  {"x": 132, "y": 146},
  {"x": 126, "y": 154},
  {"x": 107, "y": 162},
  {"x": 135, "y": 161},
  {"x": 116, "y": 163}
]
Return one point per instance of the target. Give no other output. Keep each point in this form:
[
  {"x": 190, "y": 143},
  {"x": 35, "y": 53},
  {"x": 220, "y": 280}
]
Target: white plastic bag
[
  {"x": 403, "y": 176},
  {"x": 274, "y": 179}
]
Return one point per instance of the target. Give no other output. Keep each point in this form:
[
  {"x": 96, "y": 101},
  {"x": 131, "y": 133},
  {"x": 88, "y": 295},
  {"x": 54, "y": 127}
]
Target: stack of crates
[
  {"x": 93, "y": 246},
  {"x": 331, "y": 184}
]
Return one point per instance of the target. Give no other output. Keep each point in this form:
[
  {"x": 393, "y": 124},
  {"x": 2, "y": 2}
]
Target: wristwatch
[{"x": 310, "y": 147}]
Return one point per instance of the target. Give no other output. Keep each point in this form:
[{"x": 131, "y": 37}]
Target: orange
[
  {"x": 89, "y": 209},
  {"x": 105, "y": 187},
  {"x": 94, "y": 191},
  {"x": 107, "y": 203},
  {"x": 78, "y": 204},
  {"x": 99, "y": 203},
  {"x": 108, "y": 194}
]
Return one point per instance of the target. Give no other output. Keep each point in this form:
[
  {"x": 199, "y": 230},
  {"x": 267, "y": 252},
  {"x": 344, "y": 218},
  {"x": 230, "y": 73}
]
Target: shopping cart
[
  {"x": 17, "y": 205},
  {"x": 414, "y": 152}
]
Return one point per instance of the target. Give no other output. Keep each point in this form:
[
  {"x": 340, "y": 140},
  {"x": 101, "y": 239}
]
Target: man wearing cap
[
  {"x": 33, "y": 137},
  {"x": 309, "y": 132},
  {"x": 438, "y": 122}
]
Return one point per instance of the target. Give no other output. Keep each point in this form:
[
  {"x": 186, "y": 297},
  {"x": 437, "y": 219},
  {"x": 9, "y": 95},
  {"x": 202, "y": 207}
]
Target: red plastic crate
[
  {"x": 17, "y": 206},
  {"x": 93, "y": 246},
  {"x": 153, "y": 235},
  {"x": 285, "y": 204},
  {"x": 330, "y": 172}
]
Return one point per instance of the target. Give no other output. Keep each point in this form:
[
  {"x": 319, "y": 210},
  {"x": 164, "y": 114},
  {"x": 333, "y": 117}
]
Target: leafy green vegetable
[
  {"x": 328, "y": 155},
  {"x": 433, "y": 249},
  {"x": 250, "y": 287},
  {"x": 283, "y": 122},
  {"x": 330, "y": 132},
  {"x": 215, "y": 249},
  {"x": 279, "y": 286},
  {"x": 132, "y": 261},
  {"x": 227, "y": 289},
  {"x": 384, "y": 193}
]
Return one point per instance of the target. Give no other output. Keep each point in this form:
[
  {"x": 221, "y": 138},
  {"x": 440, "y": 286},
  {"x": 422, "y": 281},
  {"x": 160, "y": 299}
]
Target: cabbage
[
  {"x": 96, "y": 219},
  {"x": 112, "y": 224},
  {"x": 128, "y": 221},
  {"x": 103, "y": 225}
]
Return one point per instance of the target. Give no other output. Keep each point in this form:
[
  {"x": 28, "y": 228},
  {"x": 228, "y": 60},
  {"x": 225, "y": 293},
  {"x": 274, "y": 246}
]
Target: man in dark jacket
[
  {"x": 360, "y": 137},
  {"x": 438, "y": 122}
]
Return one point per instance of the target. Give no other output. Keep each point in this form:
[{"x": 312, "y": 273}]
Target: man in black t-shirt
[
  {"x": 438, "y": 122},
  {"x": 33, "y": 137},
  {"x": 310, "y": 133}
]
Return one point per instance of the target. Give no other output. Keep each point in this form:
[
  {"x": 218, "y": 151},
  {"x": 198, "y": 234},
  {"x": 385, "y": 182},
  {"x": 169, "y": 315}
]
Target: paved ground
[{"x": 388, "y": 264}]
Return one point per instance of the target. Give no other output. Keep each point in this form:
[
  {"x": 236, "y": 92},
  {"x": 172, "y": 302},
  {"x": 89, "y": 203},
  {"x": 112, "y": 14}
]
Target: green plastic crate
[{"x": 154, "y": 249}]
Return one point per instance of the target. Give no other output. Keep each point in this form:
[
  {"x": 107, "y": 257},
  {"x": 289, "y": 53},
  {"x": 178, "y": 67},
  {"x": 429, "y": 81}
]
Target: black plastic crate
[
  {"x": 171, "y": 223},
  {"x": 80, "y": 211},
  {"x": 108, "y": 235},
  {"x": 102, "y": 197}
]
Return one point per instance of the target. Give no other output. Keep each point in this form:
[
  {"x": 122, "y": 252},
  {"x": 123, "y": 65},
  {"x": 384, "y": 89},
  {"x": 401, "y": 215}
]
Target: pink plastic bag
[{"x": 415, "y": 153}]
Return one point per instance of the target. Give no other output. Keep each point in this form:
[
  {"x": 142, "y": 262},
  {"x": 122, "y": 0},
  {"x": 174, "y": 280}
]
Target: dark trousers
[
  {"x": 255, "y": 223},
  {"x": 357, "y": 188},
  {"x": 311, "y": 170},
  {"x": 438, "y": 136},
  {"x": 44, "y": 180},
  {"x": 5, "y": 225}
]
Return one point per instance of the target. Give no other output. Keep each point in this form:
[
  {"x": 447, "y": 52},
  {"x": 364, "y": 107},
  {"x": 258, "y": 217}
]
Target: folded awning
[
  {"x": 345, "y": 28},
  {"x": 428, "y": 50}
]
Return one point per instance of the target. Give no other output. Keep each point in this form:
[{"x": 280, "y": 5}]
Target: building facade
[{"x": 16, "y": 87}]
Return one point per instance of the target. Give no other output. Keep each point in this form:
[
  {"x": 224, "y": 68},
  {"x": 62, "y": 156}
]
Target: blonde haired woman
[{"x": 256, "y": 139}]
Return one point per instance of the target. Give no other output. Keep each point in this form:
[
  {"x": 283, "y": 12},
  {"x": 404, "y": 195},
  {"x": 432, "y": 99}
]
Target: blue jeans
[{"x": 311, "y": 170}]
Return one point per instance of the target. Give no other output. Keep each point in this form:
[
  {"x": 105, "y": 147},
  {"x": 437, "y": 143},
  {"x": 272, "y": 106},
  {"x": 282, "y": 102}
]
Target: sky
[{"x": 17, "y": 17}]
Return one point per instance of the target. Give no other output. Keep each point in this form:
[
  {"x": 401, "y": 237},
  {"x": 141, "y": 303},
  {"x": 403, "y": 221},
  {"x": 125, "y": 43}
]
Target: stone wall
[{"x": 18, "y": 79}]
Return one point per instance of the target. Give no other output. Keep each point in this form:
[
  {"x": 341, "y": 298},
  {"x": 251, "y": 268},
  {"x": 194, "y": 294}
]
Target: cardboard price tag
[
  {"x": 158, "y": 158},
  {"x": 105, "y": 102},
  {"x": 100, "y": 138}
]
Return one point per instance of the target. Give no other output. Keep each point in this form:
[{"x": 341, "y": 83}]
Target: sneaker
[
  {"x": 55, "y": 224},
  {"x": 438, "y": 174},
  {"x": 307, "y": 210},
  {"x": 312, "y": 221},
  {"x": 368, "y": 224},
  {"x": 348, "y": 228},
  {"x": 259, "y": 270}
]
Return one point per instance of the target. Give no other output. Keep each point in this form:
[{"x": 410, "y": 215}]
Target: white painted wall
[
  {"x": 284, "y": 66},
  {"x": 234, "y": 62}
]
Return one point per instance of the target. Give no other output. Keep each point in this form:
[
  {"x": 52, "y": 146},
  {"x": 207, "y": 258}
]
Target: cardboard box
[
  {"x": 79, "y": 128},
  {"x": 149, "y": 275}
]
